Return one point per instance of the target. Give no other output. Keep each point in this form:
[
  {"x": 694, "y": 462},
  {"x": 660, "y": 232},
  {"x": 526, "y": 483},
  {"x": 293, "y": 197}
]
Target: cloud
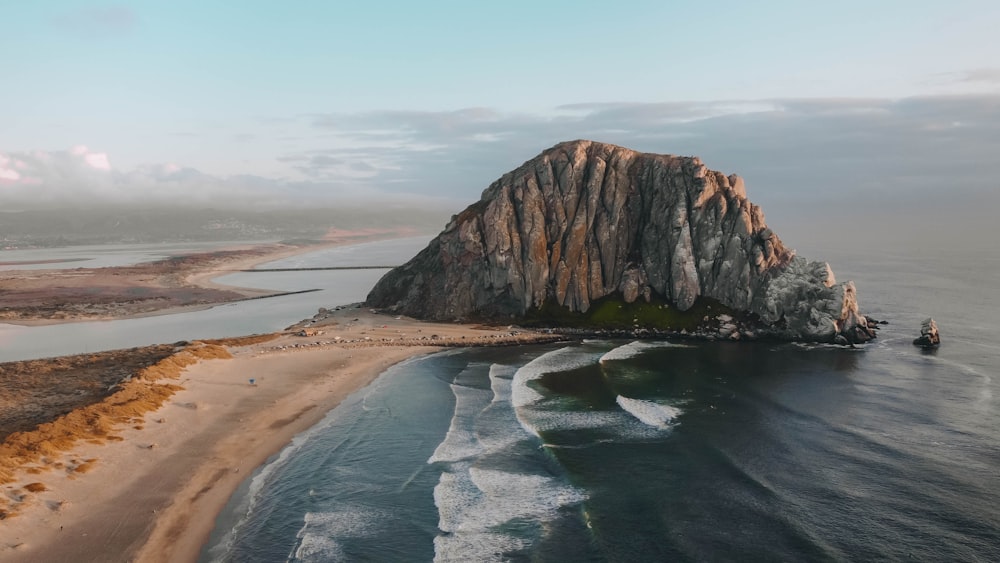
[
  {"x": 332, "y": 166},
  {"x": 846, "y": 164},
  {"x": 988, "y": 75},
  {"x": 95, "y": 160},
  {"x": 866, "y": 162},
  {"x": 80, "y": 176},
  {"x": 815, "y": 148}
]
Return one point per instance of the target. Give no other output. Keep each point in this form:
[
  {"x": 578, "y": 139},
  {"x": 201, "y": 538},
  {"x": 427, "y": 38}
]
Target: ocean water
[{"x": 608, "y": 450}]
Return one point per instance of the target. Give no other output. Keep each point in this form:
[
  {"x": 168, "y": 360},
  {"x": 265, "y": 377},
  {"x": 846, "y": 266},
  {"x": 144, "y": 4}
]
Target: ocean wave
[
  {"x": 633, "y": 349},
  {"x": 318, "y": 548},
  {"x": 500, "y": 381},
  {"x": 648, "y": 412},
  {"x": 479, "y": 546},
  {"x": 618, "y": 426},
  {"x": 563, "y": 359},
  {"x": 461, "y": 442},
  {"x": 473, "y": 502},
  {"x": 317, "y": 539},
  {"x": 498, "y": 428}
]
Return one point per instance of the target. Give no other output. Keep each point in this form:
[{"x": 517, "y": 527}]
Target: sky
[{"x": 854, "y": 104}]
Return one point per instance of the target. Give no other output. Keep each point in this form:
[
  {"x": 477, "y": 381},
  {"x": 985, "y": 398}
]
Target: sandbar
[
  {"x": 154, "y": 494},
  {"x": 172, "y": 285}
]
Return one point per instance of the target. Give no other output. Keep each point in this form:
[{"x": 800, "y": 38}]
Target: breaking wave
[
  {"x": 473, "y": 499},
  {"x": 315, "y": 540},
  {"x": 648, "y": 412},
  {"x": 633, "y": 349}
]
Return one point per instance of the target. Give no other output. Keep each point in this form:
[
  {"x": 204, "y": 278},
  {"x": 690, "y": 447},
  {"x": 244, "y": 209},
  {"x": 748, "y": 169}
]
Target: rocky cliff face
[{"x": 586, "y": 220}]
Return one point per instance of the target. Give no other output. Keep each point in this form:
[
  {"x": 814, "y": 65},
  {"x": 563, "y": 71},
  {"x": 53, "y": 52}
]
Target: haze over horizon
[{"x": 886, "y": 113}]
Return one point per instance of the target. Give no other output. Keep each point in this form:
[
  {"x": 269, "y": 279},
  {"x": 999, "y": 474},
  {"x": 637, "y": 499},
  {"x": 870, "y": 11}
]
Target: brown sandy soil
[
  {"x": 38, "y": 391},
  {"x": 142, "y": 475}
]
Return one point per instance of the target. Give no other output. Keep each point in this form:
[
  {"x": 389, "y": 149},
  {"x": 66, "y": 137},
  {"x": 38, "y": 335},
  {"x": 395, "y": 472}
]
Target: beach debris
[{"x": 253, "y": 381}]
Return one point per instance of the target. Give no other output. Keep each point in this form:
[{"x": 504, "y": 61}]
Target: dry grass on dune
[
  {"x": 40, "y": 449},
  {"x": 243, "y": 340},
  {"x": 42, "y": 390}
]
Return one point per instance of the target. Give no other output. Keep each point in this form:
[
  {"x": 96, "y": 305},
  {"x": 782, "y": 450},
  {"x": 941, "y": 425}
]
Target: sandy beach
[{"x": 154, "y": 492}]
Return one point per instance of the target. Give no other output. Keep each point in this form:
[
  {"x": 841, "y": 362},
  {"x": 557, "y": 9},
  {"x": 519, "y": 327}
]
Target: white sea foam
[
  {"x": 472, "y": 502},
  {"x": 475, "y": 546},
  {"x": 497, "y": 428},
  {"x": 633, "y": 349},
  {"x": 349, "y": 521},
  {"x": 523, "y": 396},
  {"x": 318, "y": 548},
  {"x": 320, "y": 532},
  {"x": 461, "y": 441},
  {"x": 477, "y": 499},
  {"x": 653, "y": 414},
  {"x": 562, "y": 359},
  {"x": 618, "y": 425},
  {"x": 500, "y": 381}
]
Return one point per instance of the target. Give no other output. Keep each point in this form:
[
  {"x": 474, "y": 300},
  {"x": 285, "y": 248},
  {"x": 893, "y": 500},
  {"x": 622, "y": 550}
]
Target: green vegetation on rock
[{"x": 613, "y": 313}]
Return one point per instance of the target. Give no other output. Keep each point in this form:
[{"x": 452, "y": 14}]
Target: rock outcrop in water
[
  {"x": 929, "y": 337},
  {"x": 585, "y": 222}
]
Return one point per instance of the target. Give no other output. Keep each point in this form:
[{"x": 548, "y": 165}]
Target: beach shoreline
[{"x": 155, "y": 494}]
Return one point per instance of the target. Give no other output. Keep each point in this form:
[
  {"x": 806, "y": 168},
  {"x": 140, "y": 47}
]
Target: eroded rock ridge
[{"x": 586, "y": 220}]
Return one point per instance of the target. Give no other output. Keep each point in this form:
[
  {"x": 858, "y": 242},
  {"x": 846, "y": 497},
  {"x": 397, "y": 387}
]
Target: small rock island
[
  {"x": 598, "y": 236},
  {"x": 929, "y": 337}
]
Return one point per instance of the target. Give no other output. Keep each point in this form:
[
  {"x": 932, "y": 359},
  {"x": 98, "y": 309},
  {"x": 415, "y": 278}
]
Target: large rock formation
[{"x": 586, "y": 220}]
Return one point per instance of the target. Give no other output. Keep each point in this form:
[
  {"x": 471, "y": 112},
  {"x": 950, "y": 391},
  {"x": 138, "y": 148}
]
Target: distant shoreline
[{"x": 172, "y": 285}]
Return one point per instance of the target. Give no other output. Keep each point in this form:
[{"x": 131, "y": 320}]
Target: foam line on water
[
  {"x": 474, "y": 502},
  {"x": 317, "y": 548},
  {"x": 460, "y": 442},
  {"x": 498, "y": 428},
  {"x": 318, "y": 537},
  {"x": 563, "y": 359},
  {"x": 523, "y": 396},
  {"x": 617, "y": 425},
  {"x": 653, "y": 414},
  {"x": 486, "y": 546},
  {"x": 500, "y": 381},
  {"x": 633, "y": 349}
]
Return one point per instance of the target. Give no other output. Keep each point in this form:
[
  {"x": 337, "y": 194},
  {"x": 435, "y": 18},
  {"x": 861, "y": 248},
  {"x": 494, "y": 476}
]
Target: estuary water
[
  {"x": 613, "y": 450},
  {"x": 336, "y": 287}
]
